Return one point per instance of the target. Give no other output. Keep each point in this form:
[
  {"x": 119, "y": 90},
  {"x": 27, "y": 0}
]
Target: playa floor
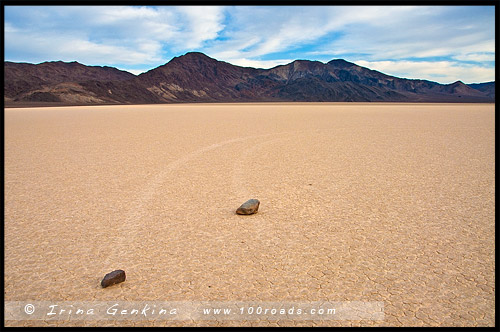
[{"x": 358, "y": 202}]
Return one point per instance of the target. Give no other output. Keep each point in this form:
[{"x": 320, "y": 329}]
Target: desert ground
[{"x": 358, "y": 202}]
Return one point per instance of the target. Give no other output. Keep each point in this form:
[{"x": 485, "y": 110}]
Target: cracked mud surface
[{"x": 359, "y": 202}]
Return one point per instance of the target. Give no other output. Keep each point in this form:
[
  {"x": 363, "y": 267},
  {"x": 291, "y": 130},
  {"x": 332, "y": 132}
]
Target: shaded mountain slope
[{"x": 195, "y": 77}]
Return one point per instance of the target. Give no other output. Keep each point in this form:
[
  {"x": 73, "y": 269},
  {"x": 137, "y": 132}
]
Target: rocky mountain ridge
[{"x": 195, "y": 77}]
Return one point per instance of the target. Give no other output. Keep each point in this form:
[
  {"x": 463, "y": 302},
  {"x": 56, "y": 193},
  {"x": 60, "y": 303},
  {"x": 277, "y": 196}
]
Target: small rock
[
  {"x": 112, "y": 278},
  {"x": 249, "y": 207}
]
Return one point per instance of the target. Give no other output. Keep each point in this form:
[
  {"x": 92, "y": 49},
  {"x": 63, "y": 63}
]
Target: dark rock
[
  {"x": 112, "y": 278},
  {"x": 249, "y": 207}
]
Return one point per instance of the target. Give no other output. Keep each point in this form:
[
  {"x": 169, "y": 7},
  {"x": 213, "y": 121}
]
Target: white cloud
[
  {"x": 257, "y": 31},
  {"x": 476, "y": 57},
  {"x": 111, "y": 15},
  {"x": 286, "y": 28},
  {"x": 264, "y": 64},
  {"x": 418, "y": 32},
  {"x": 378, "y": 32},
  {"x": 61, "y": 47},
  {"x": 135, "y": 71},
  {"x": 203, "y": 23},
  {"x": 438, "y": 71},
  {"x": 258, "y": 36},
  {"x": 108, "y": 35},
  {"x": 9, "y": 28}
]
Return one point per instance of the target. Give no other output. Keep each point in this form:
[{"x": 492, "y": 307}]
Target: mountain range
[{"x": 195, "y": 77}]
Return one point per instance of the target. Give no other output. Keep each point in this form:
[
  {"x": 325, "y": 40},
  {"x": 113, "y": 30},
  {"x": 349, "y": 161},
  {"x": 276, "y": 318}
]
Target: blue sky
[{"x": 438, "y": 43}]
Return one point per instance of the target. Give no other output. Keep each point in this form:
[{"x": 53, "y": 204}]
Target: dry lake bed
[{"x": 387, "y": 203}]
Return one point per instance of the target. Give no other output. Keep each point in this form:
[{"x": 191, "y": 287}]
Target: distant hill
[
  {"x": 195, "y": 77},
  {"x": 55, "y": 81},
  {"x": 488, "y": 88}
]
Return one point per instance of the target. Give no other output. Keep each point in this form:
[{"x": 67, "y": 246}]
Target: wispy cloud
[
  {"x": 476, "y": 57},
  {"x": 422, "y": 32},
  {"x": 108, "y": 35},
  {"x": 264, "y": 64},
  {"x": 200, "y": 24},
  {"x": 460, "y": 39},
  {"x": 440, "y": 71}
]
